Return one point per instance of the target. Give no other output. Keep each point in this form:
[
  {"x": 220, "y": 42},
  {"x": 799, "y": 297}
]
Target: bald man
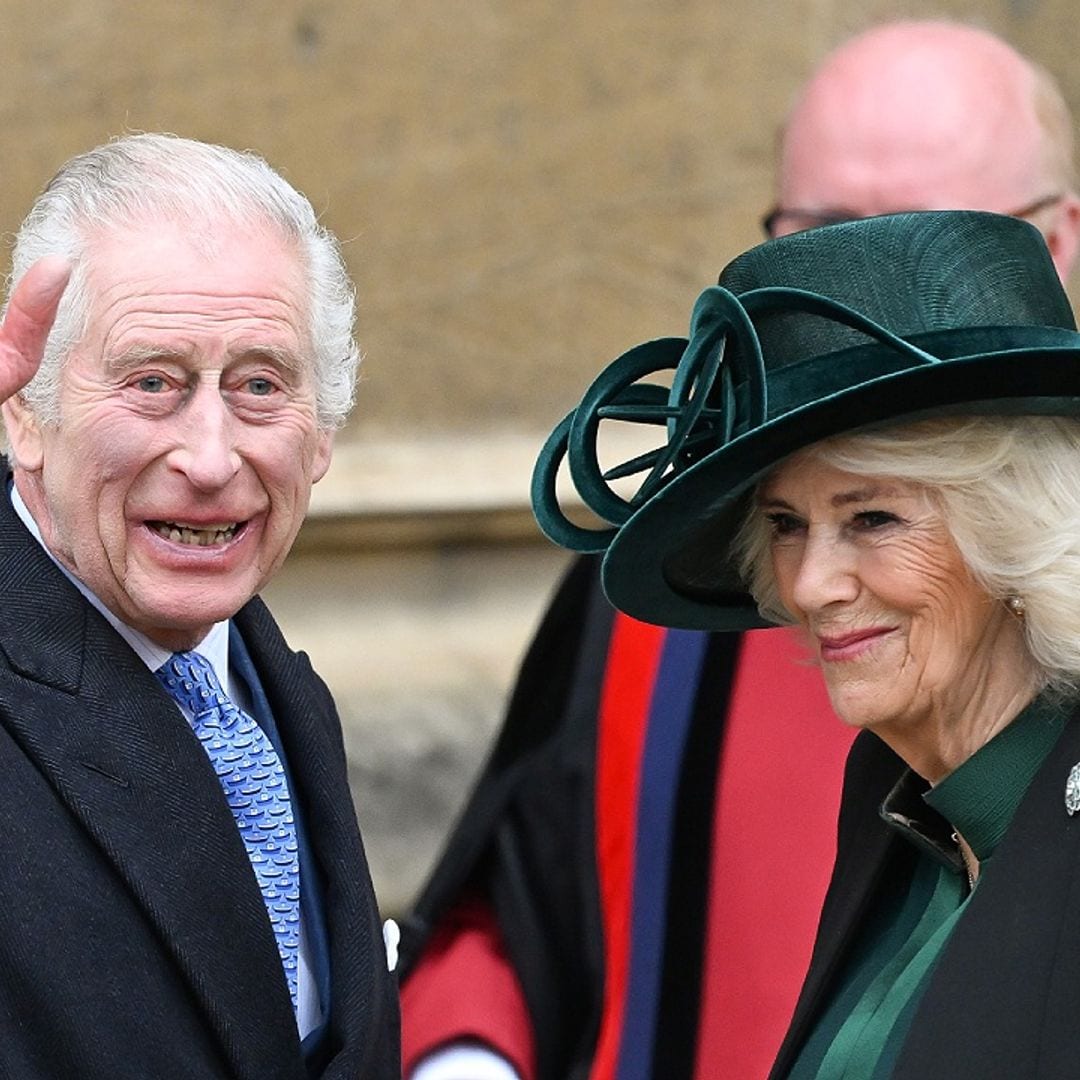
[
  {"x": 929, "y": 116},
  {"x": 634, "y": 887}
]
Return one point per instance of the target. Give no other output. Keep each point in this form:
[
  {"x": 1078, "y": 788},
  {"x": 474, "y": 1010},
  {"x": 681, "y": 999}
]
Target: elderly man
[
  {"x": 634, "y": 887},
  {"x": 185, "y": 889}
]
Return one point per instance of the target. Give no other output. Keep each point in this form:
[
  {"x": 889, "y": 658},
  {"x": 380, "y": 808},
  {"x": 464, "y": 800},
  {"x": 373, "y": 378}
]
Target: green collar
[{"x": 981, "y": 796}]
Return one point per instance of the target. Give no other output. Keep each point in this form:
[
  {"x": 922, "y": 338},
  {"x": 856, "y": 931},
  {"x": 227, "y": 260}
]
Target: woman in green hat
[{"x": 873, "y": 431}]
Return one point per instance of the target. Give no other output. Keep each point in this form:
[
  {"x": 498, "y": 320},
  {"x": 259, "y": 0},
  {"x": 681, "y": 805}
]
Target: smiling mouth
[
  {"x": 180, "y": 532},
  {"x": 840, "y": 641},
  {"x": 845, "y": 646}
]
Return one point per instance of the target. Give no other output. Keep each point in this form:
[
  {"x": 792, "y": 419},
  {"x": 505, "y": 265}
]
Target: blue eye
[
  {"x": 260, "y": 387},
  {"x": 152, "y": 384}
]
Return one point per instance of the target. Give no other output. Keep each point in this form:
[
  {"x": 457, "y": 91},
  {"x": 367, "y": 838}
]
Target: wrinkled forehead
[{"x": 218, "y": 256}]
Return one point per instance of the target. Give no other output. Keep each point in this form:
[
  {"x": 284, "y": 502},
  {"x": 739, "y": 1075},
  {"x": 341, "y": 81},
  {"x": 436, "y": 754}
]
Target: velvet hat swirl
[{"x": 865, "y": 323}]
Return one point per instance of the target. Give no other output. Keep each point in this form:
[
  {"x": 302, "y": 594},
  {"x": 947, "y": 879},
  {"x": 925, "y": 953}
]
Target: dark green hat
[{"x": 865, "y": 323}]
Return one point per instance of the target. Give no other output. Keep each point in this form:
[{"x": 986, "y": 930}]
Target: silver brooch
[{"x": 1072, "y": 790}]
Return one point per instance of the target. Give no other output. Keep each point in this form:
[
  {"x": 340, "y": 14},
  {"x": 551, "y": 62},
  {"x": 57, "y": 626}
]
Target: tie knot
[{"x": 190, "y": 680}]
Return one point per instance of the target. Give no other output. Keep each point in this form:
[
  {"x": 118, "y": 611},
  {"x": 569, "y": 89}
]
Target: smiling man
[{"x": 186, "y": 893}]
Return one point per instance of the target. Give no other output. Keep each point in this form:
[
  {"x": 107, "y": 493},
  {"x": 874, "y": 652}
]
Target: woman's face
[{"x": 903, "y": 632}]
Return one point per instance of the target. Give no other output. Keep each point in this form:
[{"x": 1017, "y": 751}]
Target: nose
[
  {"x": 826, "y": 572},
  {"x": 206, "y": 450}
]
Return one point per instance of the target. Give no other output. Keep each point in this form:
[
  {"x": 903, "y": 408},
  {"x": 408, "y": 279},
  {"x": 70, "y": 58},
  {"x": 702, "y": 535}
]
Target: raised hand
[{"x": 29, "y": 318}]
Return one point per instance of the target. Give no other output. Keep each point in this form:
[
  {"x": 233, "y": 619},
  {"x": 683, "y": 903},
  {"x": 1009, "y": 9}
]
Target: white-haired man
[{"x": 185, "y": 889}]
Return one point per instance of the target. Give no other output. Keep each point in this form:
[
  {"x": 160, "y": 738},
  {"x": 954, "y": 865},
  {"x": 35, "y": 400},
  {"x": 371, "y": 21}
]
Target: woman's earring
[{"x": 1016, "y": 605}]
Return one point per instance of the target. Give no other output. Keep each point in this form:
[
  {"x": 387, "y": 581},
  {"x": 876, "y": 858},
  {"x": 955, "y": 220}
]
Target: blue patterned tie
[{"x": 254, "y": 782}]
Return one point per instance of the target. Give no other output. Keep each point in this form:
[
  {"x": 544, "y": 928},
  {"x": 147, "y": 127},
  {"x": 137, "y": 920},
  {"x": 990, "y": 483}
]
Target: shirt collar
[
  {"x": 979, "y": 798},
  {"x": 214, "y": 647}
]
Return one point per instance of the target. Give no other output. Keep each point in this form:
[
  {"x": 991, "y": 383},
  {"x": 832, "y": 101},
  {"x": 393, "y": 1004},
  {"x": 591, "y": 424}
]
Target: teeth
[{"x": 209, "y": 536}]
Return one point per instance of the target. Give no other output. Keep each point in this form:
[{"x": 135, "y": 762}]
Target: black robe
[{"x": 527, "y": 840}]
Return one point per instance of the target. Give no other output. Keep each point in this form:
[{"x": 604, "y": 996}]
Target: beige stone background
[{"x": 526, "y": 189}]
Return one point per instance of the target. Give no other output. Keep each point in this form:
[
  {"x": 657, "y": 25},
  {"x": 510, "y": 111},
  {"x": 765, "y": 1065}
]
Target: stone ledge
[
  {"x": 366, "y": 530},
  {"x": 439, "y": 490}
]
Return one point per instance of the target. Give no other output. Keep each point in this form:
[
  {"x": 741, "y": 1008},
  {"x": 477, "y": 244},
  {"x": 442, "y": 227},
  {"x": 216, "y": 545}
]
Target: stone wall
[{"x": 525, "y": 188}]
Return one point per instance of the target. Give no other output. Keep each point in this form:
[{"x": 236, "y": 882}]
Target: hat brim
[{"x": 670, "y": 563}]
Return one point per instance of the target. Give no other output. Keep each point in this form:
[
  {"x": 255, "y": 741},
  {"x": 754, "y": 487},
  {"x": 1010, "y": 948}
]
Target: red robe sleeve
[{"x": 464, "y": 989}]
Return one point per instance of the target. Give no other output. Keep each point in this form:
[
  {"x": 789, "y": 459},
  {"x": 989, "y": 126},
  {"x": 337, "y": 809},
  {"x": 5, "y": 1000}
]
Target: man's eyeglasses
[{"x": 778, "y": 221}]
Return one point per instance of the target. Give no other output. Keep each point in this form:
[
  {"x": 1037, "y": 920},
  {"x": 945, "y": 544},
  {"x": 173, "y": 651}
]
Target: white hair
[
  {"x": 136, "y": 180},
  {"x": 1008, "y": 490}
]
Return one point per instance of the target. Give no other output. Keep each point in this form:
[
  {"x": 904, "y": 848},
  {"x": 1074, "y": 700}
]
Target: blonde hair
[{"x": 1008, "y": 489}]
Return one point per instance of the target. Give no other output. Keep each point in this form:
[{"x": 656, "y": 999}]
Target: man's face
[{"x": 182, "y": 464}]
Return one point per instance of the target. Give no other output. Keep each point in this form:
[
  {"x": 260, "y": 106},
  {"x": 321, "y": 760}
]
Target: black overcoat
[
  {"x": 1003, "y": 1001},
  {"x": 133, "y": 938}
]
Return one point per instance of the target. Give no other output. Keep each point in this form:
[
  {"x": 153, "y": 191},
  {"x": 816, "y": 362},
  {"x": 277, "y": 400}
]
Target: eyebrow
[
  {"x": 842, "y": 498},
  {"x": 141, "y": 354},
  {"x": 866, "y": 494},
  {"x": 137, "y": 355}
]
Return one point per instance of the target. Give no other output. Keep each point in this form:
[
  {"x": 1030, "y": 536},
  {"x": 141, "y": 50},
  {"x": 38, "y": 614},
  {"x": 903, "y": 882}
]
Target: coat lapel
[
  {"x": 1005, "y": 995},
  {"x": 124, "y": 762},
  {"x": 863, "y": 847},
  {"x": 363, "y": 996}
]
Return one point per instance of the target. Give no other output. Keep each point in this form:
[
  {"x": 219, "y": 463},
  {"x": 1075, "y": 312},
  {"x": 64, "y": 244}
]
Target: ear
[
  {"x": 324, "y": 450},
  {"x": 1063, "y": 236},
  {"x": 24, "y": 434}
]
